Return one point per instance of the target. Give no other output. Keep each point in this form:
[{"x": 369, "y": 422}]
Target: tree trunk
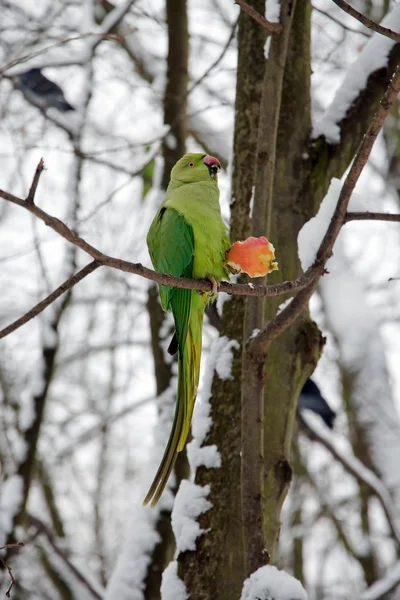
[{"x": 220, "y": 551}]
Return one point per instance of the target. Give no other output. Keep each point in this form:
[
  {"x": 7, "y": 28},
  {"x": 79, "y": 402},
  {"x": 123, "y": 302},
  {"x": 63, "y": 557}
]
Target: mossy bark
[
  {"x": 175, "y": 96},
  {"x": 302, "y": 176},
  {"x": 293, "y": 356}
]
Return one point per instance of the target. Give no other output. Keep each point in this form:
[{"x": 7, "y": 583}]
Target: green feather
[{"x": 187, "y": 238}]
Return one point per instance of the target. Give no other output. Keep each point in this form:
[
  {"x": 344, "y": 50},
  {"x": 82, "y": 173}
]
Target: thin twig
[
  {"x": 7, "y": 566},
  {"x": 393, "y": 35},
  {"x": 334, "y": 20},
  {"x": 371, "y": 216},
  {"x": 36, "y": 310},
  {"x": 122, "y": 265},
  {"x": 271, "y": 27},
  {"x": 30, "y": 199},
  {"x": 43, "y": 528},
  {"x": 13, "y": 545}
]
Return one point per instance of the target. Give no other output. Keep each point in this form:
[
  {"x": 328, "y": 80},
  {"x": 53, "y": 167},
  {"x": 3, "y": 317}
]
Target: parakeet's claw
[{"x": 215, "y": 284}]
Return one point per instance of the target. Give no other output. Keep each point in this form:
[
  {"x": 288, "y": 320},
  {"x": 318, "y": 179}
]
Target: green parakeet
[{"x": 187, "y": 238}]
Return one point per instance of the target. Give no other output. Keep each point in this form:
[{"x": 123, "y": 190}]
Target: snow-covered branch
[
  {"x": 355, "y": 87},
  {"x": 288, "y": 315}
]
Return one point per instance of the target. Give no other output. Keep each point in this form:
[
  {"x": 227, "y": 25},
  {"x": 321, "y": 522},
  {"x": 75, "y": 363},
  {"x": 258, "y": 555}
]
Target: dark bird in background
[
  {"x": 42, "y": 91},
  {"x": 311, "y": 398}
]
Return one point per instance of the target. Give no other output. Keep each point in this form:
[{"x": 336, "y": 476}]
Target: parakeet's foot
[{"x": 215, "y": 284}]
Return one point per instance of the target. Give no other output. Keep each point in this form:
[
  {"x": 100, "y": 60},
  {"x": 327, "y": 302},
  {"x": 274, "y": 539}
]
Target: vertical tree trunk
[
  {"x": 174, "y": 146},
  {"x": 293, "y": 356},
  {"x": 175, "y": 95},
  {"x": 216, "y": 569}
]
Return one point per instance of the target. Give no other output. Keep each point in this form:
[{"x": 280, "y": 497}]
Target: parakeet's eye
[{"x": 191, "y": 164}]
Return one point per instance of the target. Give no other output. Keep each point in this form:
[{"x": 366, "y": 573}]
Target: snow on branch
[
  {"x": 92, "y": 38},
  {"x": 260, "y": 343},
  {"x": 372, "y": 58},
  {"x": 219, "y": 361},
  {"x": 190, "y": 502},
  {"x": 115, "y": 17}
]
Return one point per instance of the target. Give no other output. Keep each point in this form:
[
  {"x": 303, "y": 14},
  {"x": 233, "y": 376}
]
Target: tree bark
[
  {"x": 219, "y": 551},
  {"x": 175, "y": 97}
]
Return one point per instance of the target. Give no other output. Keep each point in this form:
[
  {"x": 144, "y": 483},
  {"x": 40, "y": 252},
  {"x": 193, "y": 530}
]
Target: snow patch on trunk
[
  {"x": 191, "y": 501},
  {"x": 268, "y": 583},
  {"x": 172, "y": 588},
  {"x": 219, "y": 360}
]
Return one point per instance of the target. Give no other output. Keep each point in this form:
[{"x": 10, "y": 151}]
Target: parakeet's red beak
[{"x": 212, "y": 164}]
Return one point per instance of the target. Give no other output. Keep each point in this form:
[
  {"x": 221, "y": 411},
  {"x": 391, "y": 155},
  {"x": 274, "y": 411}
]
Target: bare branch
[
  {"x": 30, "y": 199},
  {"x": 36, "y": 310},
  {"x": 359, "y": 471},
  {"x": 271, "y": 27},
  {"x": 371, "y": 216},
  {"x": 42, "y": 528},
  {"x": 393, "y": 35},
  {"x": 116, "y": 263}
]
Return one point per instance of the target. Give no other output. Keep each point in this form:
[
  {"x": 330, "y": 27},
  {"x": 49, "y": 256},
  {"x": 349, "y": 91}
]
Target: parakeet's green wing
[{"x": 171, "y": 246}]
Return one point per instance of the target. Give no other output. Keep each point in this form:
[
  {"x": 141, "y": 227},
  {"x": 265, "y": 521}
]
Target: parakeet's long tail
[{"x": 188, "y": 380}]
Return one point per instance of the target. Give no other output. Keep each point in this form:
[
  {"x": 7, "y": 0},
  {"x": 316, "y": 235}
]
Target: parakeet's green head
[{"x": 195, "y": 167}]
